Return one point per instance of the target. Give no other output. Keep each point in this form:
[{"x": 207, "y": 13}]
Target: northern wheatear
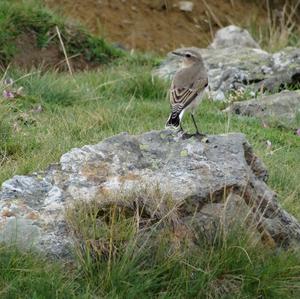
[{"x": 187, "y": 88}]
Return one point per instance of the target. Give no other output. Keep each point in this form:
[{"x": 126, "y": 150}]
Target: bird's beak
[{"x": 177, "y": 53}]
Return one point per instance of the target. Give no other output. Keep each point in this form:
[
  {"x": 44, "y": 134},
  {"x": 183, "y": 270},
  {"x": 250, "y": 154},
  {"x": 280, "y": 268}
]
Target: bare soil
[
  {"x": 29, "y": 55},
  {"x": 158, "y": 25}
]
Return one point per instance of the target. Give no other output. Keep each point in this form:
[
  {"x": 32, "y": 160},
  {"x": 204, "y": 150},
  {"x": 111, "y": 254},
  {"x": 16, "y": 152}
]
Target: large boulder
[
  {"x": 210, "y": 178},
  {"x": 234, "y": 67},
  {"x": 233, "y": 36},
  {"x": 283, "y": 107}
]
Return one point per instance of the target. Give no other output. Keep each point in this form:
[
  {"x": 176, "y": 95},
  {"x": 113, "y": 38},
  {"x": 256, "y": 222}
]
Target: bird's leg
[{"x": 197, "y": 130}]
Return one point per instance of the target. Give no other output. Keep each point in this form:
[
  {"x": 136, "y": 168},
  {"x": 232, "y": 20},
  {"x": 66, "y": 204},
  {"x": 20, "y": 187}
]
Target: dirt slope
[{"x": 158, "y": 25}]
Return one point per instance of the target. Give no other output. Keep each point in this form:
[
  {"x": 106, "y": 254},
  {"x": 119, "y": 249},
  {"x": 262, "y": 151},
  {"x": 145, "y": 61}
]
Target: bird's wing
[{"x": 181, "y": 97}]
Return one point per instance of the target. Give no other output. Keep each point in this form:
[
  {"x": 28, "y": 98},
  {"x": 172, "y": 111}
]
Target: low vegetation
[
  {"x": 29, "y": 25},
  {"x": 280, "y": 27},
  {"x": 56, "y": 112},
  {"x": 43, "y": 114}
]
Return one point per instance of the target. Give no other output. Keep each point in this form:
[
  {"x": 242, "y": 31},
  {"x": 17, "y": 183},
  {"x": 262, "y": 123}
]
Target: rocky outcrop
[
  {"x": 216, "y": 176},
  {"x": 233, "y": 35},
  {"x": 283, "y": 107},
  {"x": 237, "y": 67}
]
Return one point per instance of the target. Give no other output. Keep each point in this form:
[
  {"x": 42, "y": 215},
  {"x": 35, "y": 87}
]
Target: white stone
[{"x": 186, "y": 6}]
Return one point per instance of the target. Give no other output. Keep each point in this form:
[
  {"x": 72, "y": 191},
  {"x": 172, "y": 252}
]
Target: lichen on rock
[
  {"x": 234, "y": 66},
  {"x": 210, "y": 179}
]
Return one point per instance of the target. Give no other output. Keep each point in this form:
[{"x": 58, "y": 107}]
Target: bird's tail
[{"x": 173, "y": 120}]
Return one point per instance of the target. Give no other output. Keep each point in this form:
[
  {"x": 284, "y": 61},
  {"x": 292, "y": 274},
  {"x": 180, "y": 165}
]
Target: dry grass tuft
[
  {"x": 107, "y": 225},
  {"x": 281, "y": 28}
]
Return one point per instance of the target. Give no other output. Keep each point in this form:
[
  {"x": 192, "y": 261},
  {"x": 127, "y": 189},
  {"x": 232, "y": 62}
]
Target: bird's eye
[{"x": 188, "y": 55}]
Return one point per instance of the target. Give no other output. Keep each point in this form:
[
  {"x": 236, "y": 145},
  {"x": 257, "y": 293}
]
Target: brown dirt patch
[
  {"x": 29, "y": 55},
  {"x": 157, "y": 25}
]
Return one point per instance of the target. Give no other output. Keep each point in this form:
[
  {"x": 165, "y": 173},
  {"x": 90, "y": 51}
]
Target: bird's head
[{"x": 190, "y": 57}]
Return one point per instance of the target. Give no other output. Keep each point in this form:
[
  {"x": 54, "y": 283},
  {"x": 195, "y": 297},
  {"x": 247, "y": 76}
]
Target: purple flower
[
  {"x": 298, "y": 132},
  {"x": 8, "y": 94}
]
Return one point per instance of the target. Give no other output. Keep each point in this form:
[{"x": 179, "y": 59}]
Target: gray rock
[
  {"x": 216, "y": 218},
  {"x": 243, "y": 68},
  {"x": 20, "y": 231},
  {"x": 285, "y": 71},
  {"x": 233, "y": 36},
  {"x": 283, "y": 107},
  {"x": 204, "y": 177}
]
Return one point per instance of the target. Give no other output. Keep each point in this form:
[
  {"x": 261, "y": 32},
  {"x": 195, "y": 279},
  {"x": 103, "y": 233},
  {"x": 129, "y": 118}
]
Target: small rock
[{"x": 186, "y": 6}]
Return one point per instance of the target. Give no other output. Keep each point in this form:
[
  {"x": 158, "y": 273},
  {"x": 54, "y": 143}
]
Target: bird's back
[{"x": 187, "y": 76}]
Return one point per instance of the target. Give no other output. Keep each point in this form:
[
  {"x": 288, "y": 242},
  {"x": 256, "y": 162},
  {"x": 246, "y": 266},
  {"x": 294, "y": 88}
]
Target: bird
[{"x": 187, "y": 88}]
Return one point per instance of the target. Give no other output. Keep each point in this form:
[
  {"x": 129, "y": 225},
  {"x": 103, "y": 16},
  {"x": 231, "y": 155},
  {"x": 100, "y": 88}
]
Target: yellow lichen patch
[
  {"x": 184, "y": 153},
  {"x": 129, "y": 177},
  {"x": 104, "y": 191},
  {"x": 32, "y": 216},
  {"x": 96, "y": 172},
  {"x": 6, "y": 212}
]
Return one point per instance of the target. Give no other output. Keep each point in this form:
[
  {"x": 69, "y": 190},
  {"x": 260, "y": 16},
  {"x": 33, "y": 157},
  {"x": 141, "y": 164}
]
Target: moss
[{"x": 184, "y": 153}]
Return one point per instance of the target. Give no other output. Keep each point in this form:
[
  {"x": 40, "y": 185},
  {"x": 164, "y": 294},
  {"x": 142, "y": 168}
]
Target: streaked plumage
[{"x": 187, "y": 87}]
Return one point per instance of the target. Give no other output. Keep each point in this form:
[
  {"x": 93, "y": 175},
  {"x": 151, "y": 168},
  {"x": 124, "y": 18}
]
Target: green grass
[
  {"x": 142, "y": 257},
  {"x": 28, "y": 276},
  {"x": 117, "y": 260},
  {"x": 114, "y": 259},
  {"x": 123, "y": 96},
  {"x": 58, "y": 112},
  {"x": 31, "y": 17}
]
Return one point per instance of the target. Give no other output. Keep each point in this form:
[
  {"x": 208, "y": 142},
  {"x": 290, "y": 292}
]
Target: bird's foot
[
  {"x": 181, "y": 133},
  {"x": 198, "y": 135},
  {"x": 186, "y": 135},
  {"x": 202, "y": 137}
]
